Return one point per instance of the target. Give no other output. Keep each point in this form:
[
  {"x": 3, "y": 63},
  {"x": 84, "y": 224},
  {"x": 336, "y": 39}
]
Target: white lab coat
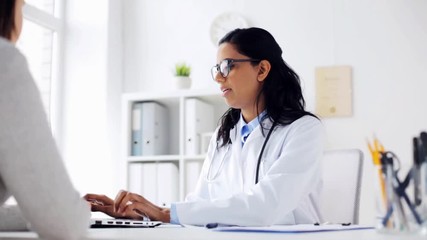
[{"x": 289, "y": 180}]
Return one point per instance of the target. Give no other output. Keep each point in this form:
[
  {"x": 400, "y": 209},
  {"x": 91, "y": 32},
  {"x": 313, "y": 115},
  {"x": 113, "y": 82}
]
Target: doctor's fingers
[
  {"x": 98, "y": 199},
  {"x": 119, "y": 199},
  {"x": 138, "y": 198},
  {"x": 129, "y": 212},
  {"x": 146, "y": 210},
  {"x": 126, "y": 198},
  {"x": 105, "y": 209}
]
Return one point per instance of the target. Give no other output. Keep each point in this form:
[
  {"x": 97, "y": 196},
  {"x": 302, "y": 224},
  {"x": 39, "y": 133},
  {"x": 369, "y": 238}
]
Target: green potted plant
[{"x": 182, "y": 75}]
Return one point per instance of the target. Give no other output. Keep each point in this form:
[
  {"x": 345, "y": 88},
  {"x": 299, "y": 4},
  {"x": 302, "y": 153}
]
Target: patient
[{"x": 31, "y": 169}]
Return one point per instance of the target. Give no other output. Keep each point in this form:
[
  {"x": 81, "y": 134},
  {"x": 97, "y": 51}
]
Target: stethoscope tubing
[{"x": 262, "y": 152}]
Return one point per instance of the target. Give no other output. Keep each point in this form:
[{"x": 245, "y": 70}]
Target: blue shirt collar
[{"x": 247, "y": 129}]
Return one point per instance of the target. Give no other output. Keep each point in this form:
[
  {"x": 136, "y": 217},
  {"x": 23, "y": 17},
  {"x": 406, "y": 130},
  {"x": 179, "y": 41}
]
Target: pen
[
  {"x": 211, "y": 225},
  {"x": 396, "y": 191},
  {"x": 378, "y": 146},
  {"x": 328, "y": 223},
  {"x": 375, "y": 151},
  {"x": 416, "y": 171},
  {"x": 423, "y": 160},
  {"x": 393, "y": 200},
  {"x": 217, "y": 225},
  {"x": 400, "y": 191},
  {"x": 376, "y": 155}
]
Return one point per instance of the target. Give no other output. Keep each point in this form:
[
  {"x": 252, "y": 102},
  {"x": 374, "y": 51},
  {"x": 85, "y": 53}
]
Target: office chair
[{"x": 342, "y": 176}]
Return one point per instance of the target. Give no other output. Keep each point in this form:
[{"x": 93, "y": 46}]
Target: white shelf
[
  {"x": 158, "y": 158},
  {"x": 206, "y": 94},
  {"x": 195, "y": 157},
  {"x": 187, "y": 165}
]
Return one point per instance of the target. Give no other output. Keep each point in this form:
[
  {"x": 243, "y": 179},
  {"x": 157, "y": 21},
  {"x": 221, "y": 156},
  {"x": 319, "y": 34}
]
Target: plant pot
[{"x": 182, "y": 82}]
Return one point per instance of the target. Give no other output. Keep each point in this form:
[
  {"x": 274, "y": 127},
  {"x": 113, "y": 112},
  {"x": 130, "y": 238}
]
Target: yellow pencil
[{"x": 376, "y": 152}]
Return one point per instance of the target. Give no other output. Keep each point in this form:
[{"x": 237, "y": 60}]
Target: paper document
[{"x": 299, "y": 228}]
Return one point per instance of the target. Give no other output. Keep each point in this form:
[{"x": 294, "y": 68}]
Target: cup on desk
[{"x": 399, "y": 208}]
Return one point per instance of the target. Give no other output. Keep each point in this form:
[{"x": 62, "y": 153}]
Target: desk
[{"x": 178, "y": 233}]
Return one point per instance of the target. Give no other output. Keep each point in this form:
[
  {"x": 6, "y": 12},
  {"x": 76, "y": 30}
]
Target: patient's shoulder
[{"x": 10, "y": 55}]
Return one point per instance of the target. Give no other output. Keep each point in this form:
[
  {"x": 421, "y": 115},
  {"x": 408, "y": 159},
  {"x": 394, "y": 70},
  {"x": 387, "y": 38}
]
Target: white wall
[
  {"x": 92, "y": 73},
  {"x": 114, "y": 93},
  {"x": 384, "y": 42}
]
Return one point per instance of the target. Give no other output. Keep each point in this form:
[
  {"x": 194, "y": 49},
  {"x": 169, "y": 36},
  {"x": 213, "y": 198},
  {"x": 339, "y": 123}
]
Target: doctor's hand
[
  {"x": 129, "y": 204},
  {"x": 101, "y": 203}
]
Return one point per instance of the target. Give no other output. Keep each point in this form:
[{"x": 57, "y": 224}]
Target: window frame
[{"x": 53, "y": 22}]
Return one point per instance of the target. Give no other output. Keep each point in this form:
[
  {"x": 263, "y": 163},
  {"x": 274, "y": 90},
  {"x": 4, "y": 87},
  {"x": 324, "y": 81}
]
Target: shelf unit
[{"x": 175, "y": 104}]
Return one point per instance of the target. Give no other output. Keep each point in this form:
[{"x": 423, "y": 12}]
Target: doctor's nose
[
  {"x": 219, "y": 78},
  {"x": 216, "y": 75}
]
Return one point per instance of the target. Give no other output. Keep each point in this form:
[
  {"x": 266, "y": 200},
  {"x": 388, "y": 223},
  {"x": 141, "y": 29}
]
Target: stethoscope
[{"x": 211, "y": 179}]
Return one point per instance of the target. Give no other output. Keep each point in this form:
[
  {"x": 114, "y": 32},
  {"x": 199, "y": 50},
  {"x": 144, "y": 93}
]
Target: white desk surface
[{"x": 177, "y": 233}]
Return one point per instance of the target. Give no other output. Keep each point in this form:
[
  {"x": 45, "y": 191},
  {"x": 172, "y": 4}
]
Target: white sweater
[{"x": 31, "y": 168}]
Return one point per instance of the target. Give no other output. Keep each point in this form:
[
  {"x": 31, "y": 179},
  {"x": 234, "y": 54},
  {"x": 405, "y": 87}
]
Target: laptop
[{"x": 121, "y": 223}]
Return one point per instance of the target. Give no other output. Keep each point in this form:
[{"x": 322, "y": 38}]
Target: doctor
[{"x": 263, "y": 162}]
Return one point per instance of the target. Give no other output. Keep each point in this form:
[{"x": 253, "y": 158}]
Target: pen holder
[
  {"x": 399, "y": 210},
  {"x": 422, "y": 208}
]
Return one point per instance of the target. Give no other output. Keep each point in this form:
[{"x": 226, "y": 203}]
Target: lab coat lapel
[
  {"x": 250, "y": 153},
  {"x": 235, "y": 137},
  {"x": 257, "y": 132}
]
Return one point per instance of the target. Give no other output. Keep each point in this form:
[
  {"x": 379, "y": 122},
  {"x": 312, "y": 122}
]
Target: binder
[
  {"x": 192, "y": 174},
  {"x": 157, "y": 182},
  {"x": 154, "y": 129},
  {"x": 149, "y": 181},
  {"x": 135, "y": 178},
  {"x": 167, "y": 183},
  {"x": 143, "y": 180},
  {"x": 199, "y": 118},
  {"x": 136, "y": 143}
]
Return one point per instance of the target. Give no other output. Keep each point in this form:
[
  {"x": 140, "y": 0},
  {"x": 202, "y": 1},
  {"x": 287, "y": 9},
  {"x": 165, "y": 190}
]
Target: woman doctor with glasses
[{"x": 263, "y": 163}]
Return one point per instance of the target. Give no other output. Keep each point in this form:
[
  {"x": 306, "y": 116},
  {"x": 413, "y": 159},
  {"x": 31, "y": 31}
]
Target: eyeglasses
[{"x": 225, "y": 66}]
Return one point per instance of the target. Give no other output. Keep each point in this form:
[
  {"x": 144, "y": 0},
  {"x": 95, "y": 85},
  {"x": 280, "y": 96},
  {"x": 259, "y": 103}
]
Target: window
[
  {"x": 47, "y": 6},
  {"x": 36, "y": 42},
  {"x": 39, "y": 42}
]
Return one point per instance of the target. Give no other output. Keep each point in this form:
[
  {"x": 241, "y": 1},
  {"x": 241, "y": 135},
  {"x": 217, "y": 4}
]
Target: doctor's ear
[{"x": 264, "y": 69}]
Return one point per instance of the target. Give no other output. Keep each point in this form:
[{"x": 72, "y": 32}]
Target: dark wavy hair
[
  {"x": 7, "y": 18},
  {"x": 281, "y": 90}
]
